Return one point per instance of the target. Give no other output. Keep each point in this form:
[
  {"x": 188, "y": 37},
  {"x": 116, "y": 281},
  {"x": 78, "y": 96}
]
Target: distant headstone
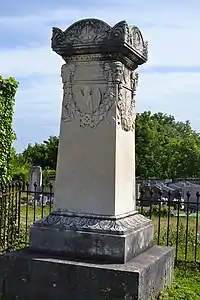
[{"x": 35, "y": 177}]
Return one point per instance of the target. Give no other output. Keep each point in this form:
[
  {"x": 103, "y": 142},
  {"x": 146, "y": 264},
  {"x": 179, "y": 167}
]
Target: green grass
[
  {"x": 25, "y": 219},
  {"x": 185, "y": 285},
  {"x": 174, "y": 234}
]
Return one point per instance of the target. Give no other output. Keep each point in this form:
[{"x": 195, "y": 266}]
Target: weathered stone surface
[
  {"x": 112, "y": 239},
  {"x": 90, "y": 36},
  {"x": 35, "y": 178},
  {"x": 96, "y": 175},
  {"x": 30, "y": 276},
  {"x": 96, "y": 157}
]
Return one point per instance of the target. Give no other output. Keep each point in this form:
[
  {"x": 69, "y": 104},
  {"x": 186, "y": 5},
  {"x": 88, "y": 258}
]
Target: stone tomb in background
[{"x": 94, "y": 245}]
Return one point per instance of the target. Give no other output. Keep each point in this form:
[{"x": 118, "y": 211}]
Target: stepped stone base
[
  {"x": 108, "y": 239},
  {"x": 29, "y": 276}
]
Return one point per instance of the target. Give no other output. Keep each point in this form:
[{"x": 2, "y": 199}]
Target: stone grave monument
[
  {"x": 94, "y": 245},
  {"x": 35, "y": 177}
]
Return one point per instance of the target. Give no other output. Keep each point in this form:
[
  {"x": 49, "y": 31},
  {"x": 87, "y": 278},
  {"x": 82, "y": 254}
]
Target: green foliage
[
  {"x": 178, "y": 235},
  {"x": 8, "y": 220},
  {"x": 185, "y": 285},
  {"x": 19, "y": 167},
  {"x": 156, "y": 211},
  {"x": 166, "y": 148},
  {"x": 8, "y": 88},
  {"x": 47, "y": 175},
  {"x": 43, "y": 154}
]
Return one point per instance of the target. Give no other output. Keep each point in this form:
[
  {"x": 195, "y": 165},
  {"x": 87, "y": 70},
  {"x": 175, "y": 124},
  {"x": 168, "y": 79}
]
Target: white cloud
[
  {"x": 37, "y": 110},
  {"x": 41, "y": 99},
  {"x": 173, "y": 93},
  {"x": 29, "y": 61},
  {"x": 155, "y": 91},
  {"x": 177, "y": 94},
  {"x": 172, "y": 38}
]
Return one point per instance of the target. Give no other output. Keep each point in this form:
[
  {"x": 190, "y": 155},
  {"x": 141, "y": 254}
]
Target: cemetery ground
[{"x": 182, "y": 233}]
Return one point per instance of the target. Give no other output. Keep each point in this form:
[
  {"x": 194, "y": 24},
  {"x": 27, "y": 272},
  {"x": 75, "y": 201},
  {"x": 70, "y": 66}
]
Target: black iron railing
[
  {"x": 176, "y": 220},
  {"x": 19, "y": 208}
]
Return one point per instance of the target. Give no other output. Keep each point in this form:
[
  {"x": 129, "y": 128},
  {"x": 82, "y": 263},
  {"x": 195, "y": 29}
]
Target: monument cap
[{"x": 91, "y": 36}]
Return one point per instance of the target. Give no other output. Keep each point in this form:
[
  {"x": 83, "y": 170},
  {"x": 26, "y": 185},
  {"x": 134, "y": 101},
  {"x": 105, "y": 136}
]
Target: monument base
[
  {"x": 108, "y": 239},
  {"x": 29, "y": 276}
]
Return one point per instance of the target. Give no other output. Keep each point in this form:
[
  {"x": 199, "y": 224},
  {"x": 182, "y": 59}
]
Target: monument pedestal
[
  {"x": 30, "y": 276},
  {"x": 111, "y": 239},
  {"x": 94, "y": 219}
]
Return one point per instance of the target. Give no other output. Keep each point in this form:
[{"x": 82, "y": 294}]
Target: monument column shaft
[{"x": 96, "y": 168}]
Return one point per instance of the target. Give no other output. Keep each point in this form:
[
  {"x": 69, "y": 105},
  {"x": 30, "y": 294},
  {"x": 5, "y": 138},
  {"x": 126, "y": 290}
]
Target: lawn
[
  {"x": 185, "y": 285},
  {"x": 180, "y": 233}
]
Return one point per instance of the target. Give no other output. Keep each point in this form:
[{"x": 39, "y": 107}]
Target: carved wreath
[{"x": 93, "y": 105}]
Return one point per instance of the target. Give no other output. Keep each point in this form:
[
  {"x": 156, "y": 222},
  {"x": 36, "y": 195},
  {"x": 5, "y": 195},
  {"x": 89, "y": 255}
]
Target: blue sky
[{"x": 169, "y": 82}]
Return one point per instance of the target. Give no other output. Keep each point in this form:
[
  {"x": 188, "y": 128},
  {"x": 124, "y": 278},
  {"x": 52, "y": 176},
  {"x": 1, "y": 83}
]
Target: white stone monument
[
  {"x": 94, "y": 188},
  {"x": 94, "y": 217}
]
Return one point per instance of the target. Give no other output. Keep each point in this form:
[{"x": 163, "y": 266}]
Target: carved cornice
[
  {"x": 92, "y": 36},
  {"x": 70, "y": 221}
]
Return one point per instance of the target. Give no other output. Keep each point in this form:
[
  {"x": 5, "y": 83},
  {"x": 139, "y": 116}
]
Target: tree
[
  {"x": 8, "y": 88},
  {"x": 20, "y": 168},
  {"x": 43, "y": 154},
  {"x": 52, "y": 151},
  {"x": 166, "y": 148}
]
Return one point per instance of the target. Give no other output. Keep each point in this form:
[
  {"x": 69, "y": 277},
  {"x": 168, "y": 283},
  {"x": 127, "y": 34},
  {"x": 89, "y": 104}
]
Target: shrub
[
  {"x": 47, "y": 175},
  {"x": 8, "y": 88}
]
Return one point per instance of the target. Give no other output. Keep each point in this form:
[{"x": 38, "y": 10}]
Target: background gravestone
[{"x": 35, "y": 176}]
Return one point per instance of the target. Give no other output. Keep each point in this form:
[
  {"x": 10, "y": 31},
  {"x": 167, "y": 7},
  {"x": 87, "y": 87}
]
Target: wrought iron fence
[
  {"x": 19, "y": 208},
  {"x": 176, "y": 220}
]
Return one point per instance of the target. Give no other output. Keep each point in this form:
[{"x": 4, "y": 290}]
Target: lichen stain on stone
[
  {"x": 106, "y": 290},
  {"x": 128, "y": 297}
]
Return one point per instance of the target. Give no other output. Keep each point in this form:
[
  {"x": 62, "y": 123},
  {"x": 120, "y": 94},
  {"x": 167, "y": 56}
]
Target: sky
[{"x": 169, "y": 81}]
